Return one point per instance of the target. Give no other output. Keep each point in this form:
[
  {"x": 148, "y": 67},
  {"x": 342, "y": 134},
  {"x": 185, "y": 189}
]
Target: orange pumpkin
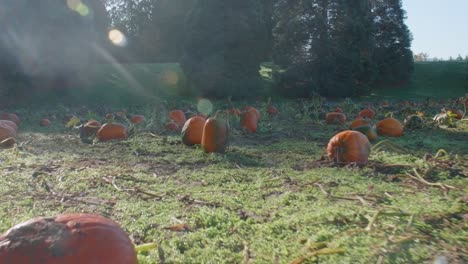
[
  {"x": 215, "y": 134},
  {"x": 349, "y": 146},
  {"x": 89, "y": 129},
  {"x": 272, "y": 110},
  {"x": 121, "y": 114},
  {"x": 405, "y": 103},
  {"x": 137, "y": 119},
  {"x": 335, "y": 118},
  {"x": 339, "y": 110},
  {"x": 178, "y": 117},
  {"x": 251, "y": 108},
  {"x": 7, "y": 143},
  {"x": 171, "y": 126},
  {"x": 385, "y": 104},
  {"x": 367, "y": 130},
  {"x": 93, "y": 122},
  {"x": 67, "y": 239},
  {"x": 193, "y": 130},
  {"x": 6, "y": 131},
  {"x": 11, "y": 117},
  {"x": 367, "y": 113},
  {"x": 44, "y": 122},
  {"x": 10, "y": 124},
  {"x": 233, "y": 111},
  {"x": 390, "y": 127},
  {"x": 249, "y": 121},
  {"x": 110, "y": 131},
  {"x": 359, "y": 122}
]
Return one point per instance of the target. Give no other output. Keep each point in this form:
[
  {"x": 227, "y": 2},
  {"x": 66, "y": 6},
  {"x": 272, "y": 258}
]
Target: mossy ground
[{"x": 272, "y": 198}]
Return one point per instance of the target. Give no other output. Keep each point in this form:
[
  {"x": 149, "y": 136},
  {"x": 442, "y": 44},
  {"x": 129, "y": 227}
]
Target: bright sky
[{"x": 439, "y": 27}]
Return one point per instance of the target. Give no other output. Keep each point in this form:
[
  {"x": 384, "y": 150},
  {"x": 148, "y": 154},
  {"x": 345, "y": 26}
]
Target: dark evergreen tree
[
  {"x": 166, "y": 34},
  {"x": 392, "y": 54},
  {"x": 267, "y": 14},
  {"x": 326, "y": 45},
  {"x": 352, "y": 33},
  {"x": 301, "y": 37},
  {"x": 223, "y": 47}
]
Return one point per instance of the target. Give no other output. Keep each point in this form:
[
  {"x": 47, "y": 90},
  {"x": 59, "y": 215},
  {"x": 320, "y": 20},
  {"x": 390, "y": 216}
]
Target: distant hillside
[
  {"x": 124, "y": 84},
  {"x": 432, "y": 79}
]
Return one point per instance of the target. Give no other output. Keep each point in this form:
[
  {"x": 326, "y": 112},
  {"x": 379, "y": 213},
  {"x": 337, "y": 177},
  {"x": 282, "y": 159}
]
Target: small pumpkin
[
  {"x": 367, "y": 130},
  {"x": 109, "y": 116},
  {"x": 349, "y": 146},
  {"x": 67, "y": 239},
  {"x": 137, "y": 119},
  {"x": 249, "y": 121},
  {"x": 272, "y": 110},
  {"x": 178, "y": 117},
  {"x": 215, "y": 134},
  {"x": 338, "y": 110},
  {"x": 359, "y": 122},
  {"x": 44, "y": 122},
  {"x": 193, "y": 130},
  {"x": 367, "y": 113},
  {"x": 6, "y": 130},
  {"x": 89, "y": 129},
  {"x": 251, "y": 108},
  {"x": 335, "y": 118},
  {"x": 413, "y": 122},
  {"x": 233, "y": 111},
  {"x": 390, "y": 127},
  {"x": 10, "y": 116},
  {"x": 7, "y": 143},
  {"x": 110, "y": 131},
  {"x": 121, "y": 114},
  {"x": 10, "y": 124},
  {"x": 405, "y": 103},
  {"x": 172, "y": 126}
]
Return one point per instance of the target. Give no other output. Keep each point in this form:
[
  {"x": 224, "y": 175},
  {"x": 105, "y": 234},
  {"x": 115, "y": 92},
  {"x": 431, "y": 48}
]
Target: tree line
[{"x": 328, "y": 47}]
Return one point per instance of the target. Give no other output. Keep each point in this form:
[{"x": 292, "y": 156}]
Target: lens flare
[
  {"x": 117, "y": 38},
  {"x": 170, "y": 78},
  {"x": 78, "y": 6},
  {"x": 205, "y": 106}
]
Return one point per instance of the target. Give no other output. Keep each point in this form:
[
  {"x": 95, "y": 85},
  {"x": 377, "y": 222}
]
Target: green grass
[
  {"x": 271, "y": 191},
  {"x": 432, "y": 80}
]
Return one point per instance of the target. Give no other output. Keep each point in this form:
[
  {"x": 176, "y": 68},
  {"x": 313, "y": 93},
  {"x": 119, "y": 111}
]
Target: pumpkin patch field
[{"x": 266, "y": 181}]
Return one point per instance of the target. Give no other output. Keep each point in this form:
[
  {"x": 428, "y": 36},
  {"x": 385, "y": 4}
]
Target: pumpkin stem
[{"x": 145, "y": 247}]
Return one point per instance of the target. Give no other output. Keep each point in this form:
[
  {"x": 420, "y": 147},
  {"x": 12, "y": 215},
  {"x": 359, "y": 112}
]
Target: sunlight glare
[
  {"x": 117, "y": 38},
  {"x": 205, "y": 106},
  {"x": 78, "y": 6},
  {"x": 170, "y": 77}
]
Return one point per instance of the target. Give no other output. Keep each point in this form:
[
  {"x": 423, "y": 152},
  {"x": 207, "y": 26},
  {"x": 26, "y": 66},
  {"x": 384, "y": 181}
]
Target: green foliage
[
  {"x": 340, "y": 48},
  {"x": 326, "y": 47},
  {"x": 224, "y": 47},
  {"x": 393, "y": 55}
]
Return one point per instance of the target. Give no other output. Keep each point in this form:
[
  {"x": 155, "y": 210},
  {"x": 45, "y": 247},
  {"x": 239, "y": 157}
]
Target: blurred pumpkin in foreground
[{"x": 67, "y": 239}]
